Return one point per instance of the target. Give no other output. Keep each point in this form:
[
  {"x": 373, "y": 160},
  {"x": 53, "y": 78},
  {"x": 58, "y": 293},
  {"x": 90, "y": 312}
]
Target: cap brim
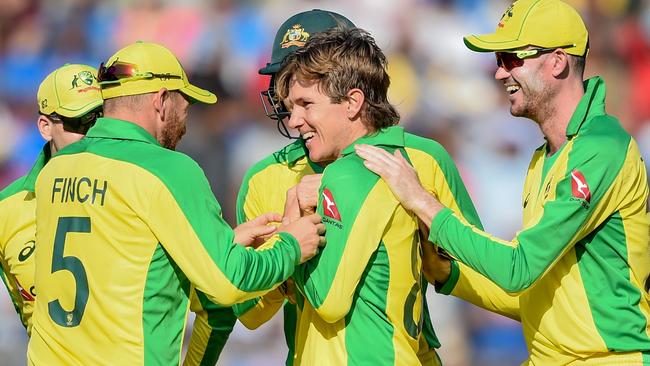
[
  {"x": 491, "y": 42},
  {"x": 197, "y": 94},
  {"x": 269, "y": 69},
  {"x": 78, "y": 109}
]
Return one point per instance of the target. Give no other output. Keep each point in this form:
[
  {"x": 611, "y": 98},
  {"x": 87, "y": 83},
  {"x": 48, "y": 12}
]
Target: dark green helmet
[{"x": 293, "y": 34}]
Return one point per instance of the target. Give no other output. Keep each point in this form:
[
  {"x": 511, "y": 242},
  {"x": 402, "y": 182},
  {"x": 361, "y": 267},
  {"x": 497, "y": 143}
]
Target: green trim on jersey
[
  {"x": 164, "y": 307},
  {"x": 450, "y": 172},
  {"x": 448, "y": 286},
  {"x": 603, "y": 265},
  {"x": 222, "y": 320},
  {"x": 373, "y": 287},
  {"x": 42, "y": 159},
  {"x": 316, "y": 287}
]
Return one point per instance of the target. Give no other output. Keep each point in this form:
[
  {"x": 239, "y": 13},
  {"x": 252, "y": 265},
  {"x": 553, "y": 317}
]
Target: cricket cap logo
[
  {"x": 506, "y": 15},
  {"x": 579, "y": 186},
  {"x": 329, "y": 206},
  {"x": 85, "y": 77},
  {"x": 295, "y": 36}
]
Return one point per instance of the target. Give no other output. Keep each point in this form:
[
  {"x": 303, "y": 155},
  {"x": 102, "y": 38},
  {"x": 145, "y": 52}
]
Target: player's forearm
[
  {"x": 498, "y": 260},
  {"x": 425, "y": 206}
]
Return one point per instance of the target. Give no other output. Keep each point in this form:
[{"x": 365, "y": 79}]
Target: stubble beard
[{"x": 536, "y": 103}]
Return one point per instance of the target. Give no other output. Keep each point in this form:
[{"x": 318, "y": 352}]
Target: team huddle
[{"x": 113, "y": 236}]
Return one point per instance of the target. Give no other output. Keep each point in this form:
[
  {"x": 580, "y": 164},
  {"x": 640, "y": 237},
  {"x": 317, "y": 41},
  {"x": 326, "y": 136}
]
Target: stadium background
[{"x": 442, "y": 90}]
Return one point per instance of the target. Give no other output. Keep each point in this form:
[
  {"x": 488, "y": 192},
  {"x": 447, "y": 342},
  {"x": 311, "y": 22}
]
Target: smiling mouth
[
  {"x": 308, "y": 135},
  {"x": 511, "y": 89}
]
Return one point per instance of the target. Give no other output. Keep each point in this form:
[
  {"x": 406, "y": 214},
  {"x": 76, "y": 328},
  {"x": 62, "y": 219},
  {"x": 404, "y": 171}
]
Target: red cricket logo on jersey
[
  {"x": 579, "y": 186},
  {"x": 24, "y": 293},
  {"x": 329, "y": 206}
]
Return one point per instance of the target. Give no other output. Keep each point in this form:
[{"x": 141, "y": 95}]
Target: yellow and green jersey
[
  {"x": 580, "y": 264},
  {"x": 210, "y": 331},
  {"x": 127, "y": 230},
  {"x": 18, "y": 239},
  {"x": 363, "y": 292},
  {"x": 263, "y": 190}
]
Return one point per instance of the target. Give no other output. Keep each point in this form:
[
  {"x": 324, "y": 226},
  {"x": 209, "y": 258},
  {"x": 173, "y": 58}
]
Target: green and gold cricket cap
[
  {"x": 541, "y": 23},
  {"x": 295, "y": 32},
  {"x": 70, "y": 91},
  {"x": 144, "y": 67}
]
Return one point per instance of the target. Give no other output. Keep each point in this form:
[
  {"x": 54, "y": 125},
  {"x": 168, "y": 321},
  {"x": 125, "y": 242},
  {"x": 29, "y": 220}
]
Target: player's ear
[
  {"x": 44, "y": 127},
  {"x": 355, "y": 99},
  {"x": 560, "y": 62},
  {"x": 162, "y": 102}
]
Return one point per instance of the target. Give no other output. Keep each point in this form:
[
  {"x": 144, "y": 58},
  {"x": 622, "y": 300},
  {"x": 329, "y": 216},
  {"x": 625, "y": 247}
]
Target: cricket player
[
  {"x": 292, "y": 165},
  {"x": 363, "y": 293},
  {"x": 580, "y": 264},
  {"x": 69, "y": 102},
  {"x": 266, "y": 183},
  {"x": 128, "y": 228}
]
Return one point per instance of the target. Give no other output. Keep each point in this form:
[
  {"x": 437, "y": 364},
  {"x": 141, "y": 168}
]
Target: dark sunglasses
[
  {"x": 77, "y": 124},
  {"x": 511, "y": 59},
  {"x": 122, "y": 71}
]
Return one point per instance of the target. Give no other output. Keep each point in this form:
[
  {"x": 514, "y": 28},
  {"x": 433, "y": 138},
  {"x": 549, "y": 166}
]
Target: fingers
[
  {"x": 311, "y": 178},
  {"x": 313, "y": 218},
  {"x": 267, "y": 218},
  {"x": 378, "y": 160},
  {"x": 321, "y": 242},
  {"x": 263, "y": 230}
]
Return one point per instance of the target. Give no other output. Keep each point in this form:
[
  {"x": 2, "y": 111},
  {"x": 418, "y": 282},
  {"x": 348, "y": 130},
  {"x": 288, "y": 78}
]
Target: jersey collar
[
  {"x": 118, "y": 129},
  {"x": 41, "y": 160},
  {"x": 592, "y": 104},
  {"x": 389, "y": 136}
]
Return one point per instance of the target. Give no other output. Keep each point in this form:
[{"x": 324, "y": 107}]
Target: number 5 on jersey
[{"x": 73, "y": 265}]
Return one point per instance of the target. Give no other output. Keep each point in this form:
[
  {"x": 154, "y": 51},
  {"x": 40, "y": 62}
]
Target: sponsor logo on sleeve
[
  {"x": 329, "y": 206},
  {"x": 579, "y": 186},
  {"x": 23, "y": 292}
]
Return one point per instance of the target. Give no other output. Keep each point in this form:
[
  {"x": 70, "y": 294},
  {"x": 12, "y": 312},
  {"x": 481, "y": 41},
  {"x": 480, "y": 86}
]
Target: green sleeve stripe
[
  {"x": 428, "y": 332},
  {"x": 222, "y": 321},
  {"x": 164, "y": 307},
  {"x": 13, "y": 188},
  {"x": 447, "y": 287},
  {"x": 243, "y": 307},
  {"x": 290, "y": 323}
]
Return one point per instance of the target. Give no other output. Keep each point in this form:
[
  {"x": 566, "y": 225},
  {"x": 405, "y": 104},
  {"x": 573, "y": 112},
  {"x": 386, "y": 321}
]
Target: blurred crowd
[{"x": 442, "y": 91}]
